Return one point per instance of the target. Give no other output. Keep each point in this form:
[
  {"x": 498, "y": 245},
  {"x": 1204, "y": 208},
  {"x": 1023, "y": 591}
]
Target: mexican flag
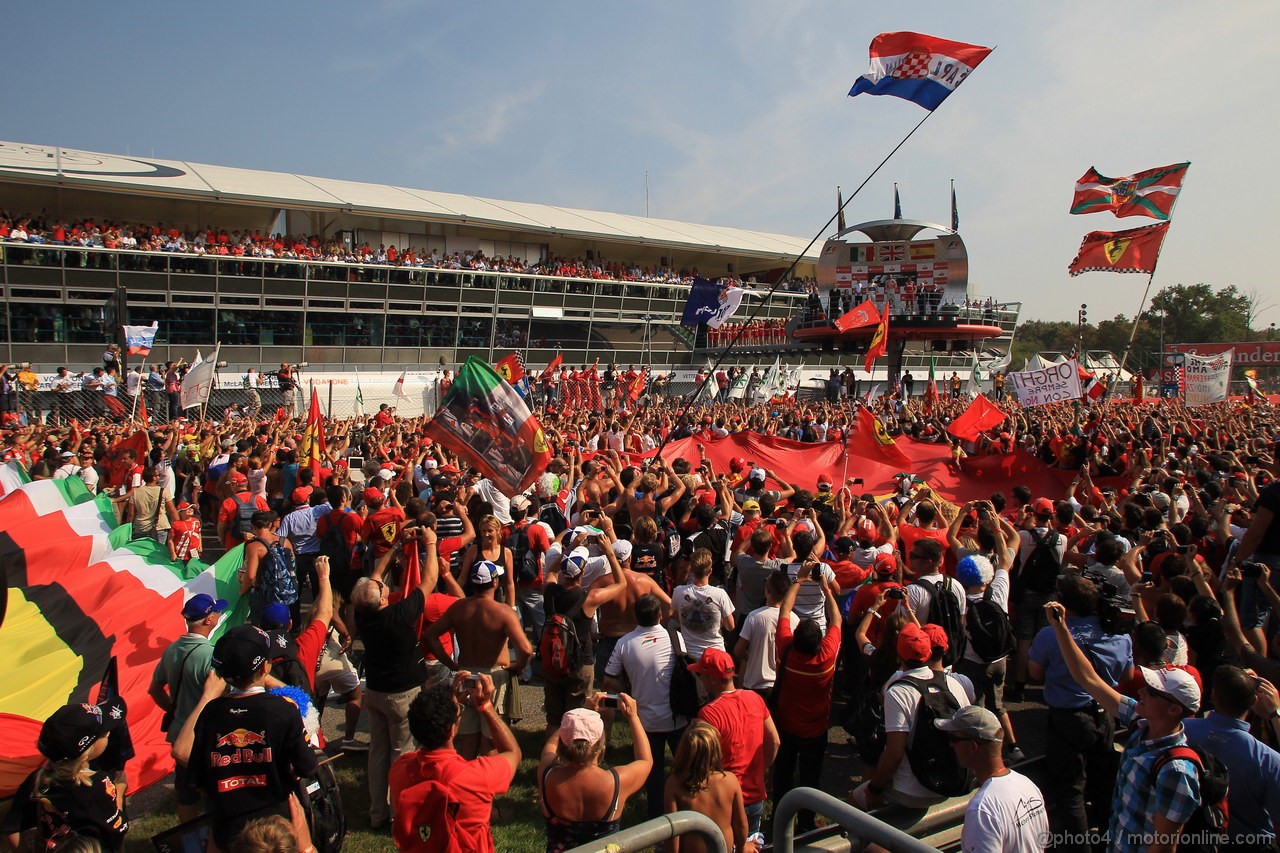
[
  {"x": 79, "y": 593},
  {"x": 485, "y": 422}
]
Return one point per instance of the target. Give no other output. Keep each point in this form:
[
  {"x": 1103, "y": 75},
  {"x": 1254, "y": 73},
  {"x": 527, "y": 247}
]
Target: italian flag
[{"x": 80, "y": 592}]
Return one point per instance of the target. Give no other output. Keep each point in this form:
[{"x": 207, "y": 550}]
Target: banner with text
[
  {"x": 1206, "y": 378},
  {"x": 1050, "y": 384}
]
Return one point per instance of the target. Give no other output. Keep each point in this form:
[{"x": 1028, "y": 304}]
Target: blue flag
[{"x": 704, "y": 302}]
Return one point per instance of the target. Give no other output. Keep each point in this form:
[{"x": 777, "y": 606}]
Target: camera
[
  {"x": 1250, "y": 570},
  {"x": 610, "y": 700},
  {"x": 1114, "y": 613},
  {"x": 897, "y": 593}
]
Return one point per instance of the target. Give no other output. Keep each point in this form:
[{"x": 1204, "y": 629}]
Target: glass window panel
[
  {"x": 247, "y": 327},
  {"x": 326, "y": 329}
]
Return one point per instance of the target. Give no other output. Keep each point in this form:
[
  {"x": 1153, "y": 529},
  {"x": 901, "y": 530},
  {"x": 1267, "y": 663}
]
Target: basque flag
[
  {"x": 140, "y": 339},
  {"x": 918, "y": 68}
]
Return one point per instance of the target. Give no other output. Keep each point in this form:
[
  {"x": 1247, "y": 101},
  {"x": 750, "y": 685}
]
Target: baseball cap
[
  {"x": 183, "y": 506},
  {"x": 520, "y": 504},
  {"x": 886, "y": 564},
  {"x": 301, "y": 495},
  {"x": 866, "y": 529},
  {"x": 913, "y": 644},
  {"x": 386, "y": 474},
  {"x": 575, "y": 563},
  {"x": 751, "y": 506},
  {"x": 1160, "y": 500},
  {"x": 736, "y": 464},
  {"x": 240, "y": 651},
  {"x": 67, "y": 454},
  {"x": 73, "y": 728},
  {"x": 201, "y": 605},
  {"x": 973, "y": 722},
  {"x": 622, "y": 550},
  {"x": 824, "y": 482},
  {"x": 430, "y": 464},
  {"x": 276, "y": 615},
  {"x": 844, "y": 544},
  {"x": 974, "y": 570},
  {"x": 581, "y": 724},
  {"x": 1042, "y": 506},
  {"x": 236, "y": 478},
  {"x": 372, "y": 495},
  {"x": 757, "y": 474},
  {"x": 485, "y": 572},
  {"x": 937, "y": 637},
  {"x": 716, "y": 663},
  {"x": 1175, "y": 684}
]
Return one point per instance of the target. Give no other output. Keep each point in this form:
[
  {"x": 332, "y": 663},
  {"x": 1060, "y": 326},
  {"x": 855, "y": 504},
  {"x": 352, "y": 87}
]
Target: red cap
[
  {"x": 707, "y": 497},
  {"x": 824, "y": 480},
  {"x": 372, "y": 496},
  {"x": 715, "y": 663},
  {"x": 301, "y": 495},
  {"x": 914, "y": 644},
  {"x": 1042, "y": 506},
  {"x": 886, "y": 564},
  {"x": 736, "y": 464},
  {"x": 937, "y": 636},
  {"x": 236, "y": 478}
]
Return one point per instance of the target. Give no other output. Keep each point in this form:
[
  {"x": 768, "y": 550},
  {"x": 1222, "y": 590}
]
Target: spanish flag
[{"x": 311, "y": 451}]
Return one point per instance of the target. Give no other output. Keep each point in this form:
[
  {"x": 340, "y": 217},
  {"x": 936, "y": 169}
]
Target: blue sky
[{"x": 737, "y": 110}]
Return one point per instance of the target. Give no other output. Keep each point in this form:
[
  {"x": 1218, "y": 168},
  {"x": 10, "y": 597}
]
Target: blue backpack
[{"x": 278, "y": 576}]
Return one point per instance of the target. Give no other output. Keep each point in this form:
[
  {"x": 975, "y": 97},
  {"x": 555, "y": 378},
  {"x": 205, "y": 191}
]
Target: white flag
[
  {"x": 198, "y": 383},
  {"x": 764, "y": 390},
  {"x": 398, "y": 389},
  {"x": 729, "y": 302},
  {"x": 1207, "y": 377}
]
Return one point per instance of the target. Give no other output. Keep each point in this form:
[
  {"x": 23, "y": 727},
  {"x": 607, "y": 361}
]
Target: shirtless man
[
  {"x": 644, "y": 501},
  {"x": 483, "y": 626},
  {"x": 617, "y": 617}
]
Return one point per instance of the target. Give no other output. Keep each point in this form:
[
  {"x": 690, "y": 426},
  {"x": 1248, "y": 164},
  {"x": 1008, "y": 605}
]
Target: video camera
[{"x": 1114, "y": 613}]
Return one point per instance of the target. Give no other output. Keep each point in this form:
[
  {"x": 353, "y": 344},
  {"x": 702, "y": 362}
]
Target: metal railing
[
  {"x": 657, "y": 831},
  {"x": 866, "y": 827}
]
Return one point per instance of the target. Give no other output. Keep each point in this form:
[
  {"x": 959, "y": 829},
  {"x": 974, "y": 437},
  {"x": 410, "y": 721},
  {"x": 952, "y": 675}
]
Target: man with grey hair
[{"x": 1007, "y": 812}]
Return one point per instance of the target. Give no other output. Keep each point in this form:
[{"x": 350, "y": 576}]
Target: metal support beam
[
  {"x": 658, "y": 831},
  {"x": 855, "y": 820}
]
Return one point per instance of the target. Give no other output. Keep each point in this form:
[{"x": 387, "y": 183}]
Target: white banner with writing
[
  {"x": 1206, "y": 378},
  {"x": 1050, "y": 384}
]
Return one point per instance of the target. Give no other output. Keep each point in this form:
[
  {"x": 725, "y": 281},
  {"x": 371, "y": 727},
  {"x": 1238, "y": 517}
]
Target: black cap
[
  {"x": 72, "y": 729},
  {"x": 240, "y": 651}
]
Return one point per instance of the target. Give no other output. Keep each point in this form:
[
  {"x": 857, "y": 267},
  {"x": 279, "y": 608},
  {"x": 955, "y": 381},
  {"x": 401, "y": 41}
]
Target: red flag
[
  {"x": 114, "y": 406},
  {"x": 511, "y": 368},
  {"x": 551, "y": 368},
  {"x": 636, "y": 386},
  {"x": 1135, "y": 250},
  {"x": 1137, "y": 388},
  {"x": 1089, "y": 385},
  {"x": 117, "y": 467},
  {"x": 981, "y": 415},
  {"x": 142, "y": 411},
  {"x": 864, "y": 315},
  {"x": 872, "y": 441},
  {"x": 1148, "y": 193},
  {"x": 879, "y": 342},
  {"x": 311, "y": 451}
]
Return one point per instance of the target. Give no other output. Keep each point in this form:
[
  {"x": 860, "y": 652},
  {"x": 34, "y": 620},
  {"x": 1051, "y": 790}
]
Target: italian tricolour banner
[
  {"x": 1207, "y": 377},
  {"x": 1148, "y": 193},
  {"x": 79, "y": 593},
  {"x": 484, "y": 421}
]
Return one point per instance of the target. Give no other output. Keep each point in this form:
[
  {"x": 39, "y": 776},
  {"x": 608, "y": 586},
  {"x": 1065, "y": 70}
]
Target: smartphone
[
  {"x": 1148, "y": 577},
  {"x": 897, "y": 593},
  {"x": 857, "y": 481},
  {"x": 610, "y": 700},
  {"x": 1250, "y": 570}
]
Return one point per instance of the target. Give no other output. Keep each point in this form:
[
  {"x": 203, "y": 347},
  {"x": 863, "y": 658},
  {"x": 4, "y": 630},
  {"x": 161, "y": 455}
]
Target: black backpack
[
  {"x": 1206, "y": 829},
  {"x": 1039, "y": 572},
  {"x": 522, "y": 556},
  {"x": 684, "y": 684},
  {"x": 990, "y": 633},
  {"x": 321, "y": 801},
  {"x": 864, "y": 721},
  {"x": 933, "y": 761},
  {"x": 243, "y": 524},
  {"x": 334, "y": 545},
  {"x": 551, "y": 515},
  {"x": 944, "y": 611}
]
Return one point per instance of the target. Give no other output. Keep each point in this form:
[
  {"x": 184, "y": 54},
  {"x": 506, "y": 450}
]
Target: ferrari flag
[
  {"x": 864, "y": 315},
  {"x": 918, "y": 68},
  {"x": 879, "y": 342},
  {"x": 311, "y": 452},
  {"x": 1136, "y": 250},
  {"x": 1149, "y": 193},
  {"x": 872, "y": 441},
  {"x": 485, "y": 421}
]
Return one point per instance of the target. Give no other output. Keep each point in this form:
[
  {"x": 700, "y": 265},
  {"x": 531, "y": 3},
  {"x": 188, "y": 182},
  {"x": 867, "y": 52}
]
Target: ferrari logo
[
  {"x": 388, "y": 531},
  {"x": 540, "y": 442},
  {"x": 1115, "y": 249},
  {"x": 882, "y": 434}
]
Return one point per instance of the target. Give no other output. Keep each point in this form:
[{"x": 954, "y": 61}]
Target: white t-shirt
[
  {"x": 810, "y": 600},
  {"x": 760, "y": 630},
  {"x": 999, "y": 587},
  {"x": 644, "y": 655},
  {"x": 1005, "y": 815},
  {"x": 900, "y": 704},
  {"x": 918, "y": 597},
  {"x": 701, "y": 610},
  {"x": 1028, "y": 544},
  {"x": 90, "y": 476},
  {"x": 501, "y": 503}
]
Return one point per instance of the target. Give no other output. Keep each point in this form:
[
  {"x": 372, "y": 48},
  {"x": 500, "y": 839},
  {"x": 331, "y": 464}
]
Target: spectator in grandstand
[{"x": 425, "y": 781}]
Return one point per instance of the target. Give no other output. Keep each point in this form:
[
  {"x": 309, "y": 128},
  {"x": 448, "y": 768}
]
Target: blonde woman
[
  {"x": 488, "y": 546},
  {"x": 698, "y": 783}
]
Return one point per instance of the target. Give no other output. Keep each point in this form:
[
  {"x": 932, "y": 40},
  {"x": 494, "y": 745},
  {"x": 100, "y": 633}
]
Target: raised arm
[{"x": 1081, "y": 670}]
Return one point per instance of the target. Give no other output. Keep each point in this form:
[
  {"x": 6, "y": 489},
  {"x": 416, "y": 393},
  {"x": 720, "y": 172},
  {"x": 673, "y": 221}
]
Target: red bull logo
[{"x": 241, "y": 738}]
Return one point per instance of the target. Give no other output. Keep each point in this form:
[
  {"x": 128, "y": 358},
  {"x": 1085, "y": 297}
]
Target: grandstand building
[{"x": 289, "y": 268}]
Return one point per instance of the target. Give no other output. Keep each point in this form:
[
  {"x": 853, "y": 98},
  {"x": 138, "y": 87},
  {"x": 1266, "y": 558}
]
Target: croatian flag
[
  {"x": 918, "y": 68},
  {"x": 140, "y": 339}
]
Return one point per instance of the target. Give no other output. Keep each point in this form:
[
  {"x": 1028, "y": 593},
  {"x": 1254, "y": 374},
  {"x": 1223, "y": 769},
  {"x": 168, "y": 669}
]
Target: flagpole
[
  {"x": 742, "y": 328},
  {"x": 330, "y": 412}
]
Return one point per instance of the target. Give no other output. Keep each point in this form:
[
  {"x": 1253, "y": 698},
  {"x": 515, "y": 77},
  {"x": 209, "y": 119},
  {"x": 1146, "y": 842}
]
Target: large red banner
[{"x": 1248, "y": 354}]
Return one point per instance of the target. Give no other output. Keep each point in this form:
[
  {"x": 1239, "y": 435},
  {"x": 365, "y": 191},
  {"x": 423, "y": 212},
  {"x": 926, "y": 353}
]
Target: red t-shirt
[
  {"x": 848, "y": 574},
  {"x": 473, "y": 784},
  {"x": 862, "y": 601},
  {"x": 382, "y": 529},
  {"x": 186, "y": 536},
  {"x": 445, "y": 549},
  {"x": 739, "y": 716},
  {"x": 804, "y": 705},
  {"x": 910, "y": 534},
  {"x": 227, "y": 515},
  {"x": 310, "y": 645},
  {"x": 435, "y": 607}
]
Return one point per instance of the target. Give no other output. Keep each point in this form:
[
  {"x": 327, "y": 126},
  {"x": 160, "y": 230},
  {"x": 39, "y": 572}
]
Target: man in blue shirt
[
  {"x": 1079, "y": 757},
  {"x": 1154, "y": 795},
  {"x": 1253, "y": 796}
]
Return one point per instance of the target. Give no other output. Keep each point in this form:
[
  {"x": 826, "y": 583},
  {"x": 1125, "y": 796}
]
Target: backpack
[
  {"x": 525, "y": 561},
  {"x": 333, "y": 544},
  {"x": 278, "y": 579},
  {"x": 1039, "y": 572},
  {"x": 322, "y": 803},
  {"x": 669, "y": 537},
  {"x": 285, "y": 664},
  {"x": 1207, "y": 826},
  {"x": 242, "y": 526},
  {"x": 684, "y": 684},
  {"x": 933, "y": 761},
  {"x": 551, "y": 515},
  {"x": 426, "y": 819},
  {"x": 989, "y": 631},
  {"x": 864, "y": 722},
  {"x": 944, "y": 611},
  {"x": 560, "y": 646}
]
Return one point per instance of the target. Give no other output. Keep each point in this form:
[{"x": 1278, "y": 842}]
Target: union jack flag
[{"x": 891, "y": 252}]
